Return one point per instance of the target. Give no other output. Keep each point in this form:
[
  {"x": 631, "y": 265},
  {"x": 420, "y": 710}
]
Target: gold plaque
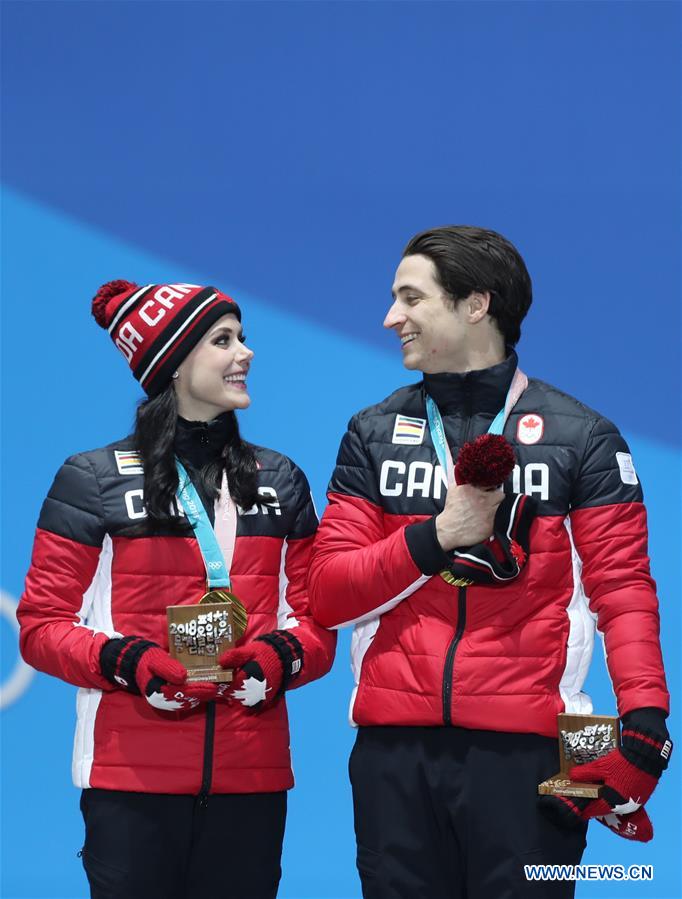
[
  {"x": 201, "y": 632},
  {"x": 582, "y": 739}
]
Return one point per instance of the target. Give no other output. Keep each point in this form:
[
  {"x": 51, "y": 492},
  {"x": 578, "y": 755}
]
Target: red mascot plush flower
[{"x": 485, "y": 462}]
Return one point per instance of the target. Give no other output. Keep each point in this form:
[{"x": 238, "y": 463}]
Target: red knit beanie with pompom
[{"x": 157, "y": 326}]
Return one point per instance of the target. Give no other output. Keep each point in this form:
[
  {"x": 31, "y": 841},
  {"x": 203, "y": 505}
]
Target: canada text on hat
[{"x": 157, "y": 326}]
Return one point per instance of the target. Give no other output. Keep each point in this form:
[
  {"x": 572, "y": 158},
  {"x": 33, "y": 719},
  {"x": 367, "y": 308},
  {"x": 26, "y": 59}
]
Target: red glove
[
  {"x": 629, "y": 774},
  {"x": 263, "y": 668},
  {"x": 143, "y": 668},
  {"x": 258, "y": 674}
]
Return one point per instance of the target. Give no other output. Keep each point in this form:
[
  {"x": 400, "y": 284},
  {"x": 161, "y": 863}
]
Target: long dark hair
[{"x": 154, "y": 437}]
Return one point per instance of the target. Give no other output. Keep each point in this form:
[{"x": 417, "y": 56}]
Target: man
[{"x": 473, "y": 609}]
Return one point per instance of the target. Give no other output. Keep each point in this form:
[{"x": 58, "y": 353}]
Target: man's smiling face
[{"x": 432, "y": 330}]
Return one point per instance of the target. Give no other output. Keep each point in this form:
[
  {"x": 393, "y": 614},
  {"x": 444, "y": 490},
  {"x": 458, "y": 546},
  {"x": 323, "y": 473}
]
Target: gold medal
[
  {"x": 220, "y": 594},
  {"x": 449, "y": 578}
]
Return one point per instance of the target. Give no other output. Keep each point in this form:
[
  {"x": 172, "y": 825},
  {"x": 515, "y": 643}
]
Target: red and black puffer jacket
[
  {"x": 503, "y": 657},
  {"x": 96, "y": 574}
]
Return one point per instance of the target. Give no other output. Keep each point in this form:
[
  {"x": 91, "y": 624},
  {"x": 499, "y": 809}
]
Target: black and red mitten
[
  {"x": 629, "y": 774},
  {"x": 143, "y": 668},
  {"x": 263, "y": 668},
  {"x": 501, "y": 558}
]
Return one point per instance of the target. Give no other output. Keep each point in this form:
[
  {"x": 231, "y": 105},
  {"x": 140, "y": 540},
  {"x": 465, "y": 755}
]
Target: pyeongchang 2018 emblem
[{"x": 530, "y": 429}]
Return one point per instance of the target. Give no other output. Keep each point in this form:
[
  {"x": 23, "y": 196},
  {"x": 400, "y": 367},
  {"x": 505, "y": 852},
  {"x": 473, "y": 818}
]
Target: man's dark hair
[{"x": 472, "y": 259}]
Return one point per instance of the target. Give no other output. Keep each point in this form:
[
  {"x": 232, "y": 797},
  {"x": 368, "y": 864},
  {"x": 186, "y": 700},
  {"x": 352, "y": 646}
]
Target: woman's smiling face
[{"x": 212, "y": 379}]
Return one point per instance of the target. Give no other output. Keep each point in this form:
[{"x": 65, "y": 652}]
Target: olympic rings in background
[{"x": 22, "y": 674}]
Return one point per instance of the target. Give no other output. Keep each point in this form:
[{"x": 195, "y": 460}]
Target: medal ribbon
[
  {"x": 217, "y": 564},
  {"x": 518, "y": 385}
]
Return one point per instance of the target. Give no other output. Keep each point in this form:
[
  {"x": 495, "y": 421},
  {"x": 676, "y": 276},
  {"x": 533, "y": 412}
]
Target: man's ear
[{"x": 477, "y": 306}]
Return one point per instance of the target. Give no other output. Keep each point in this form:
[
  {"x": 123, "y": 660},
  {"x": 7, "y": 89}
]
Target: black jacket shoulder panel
[
  {"x": 73, "y": 506},
  {"x": 290, "y": 506},
  {"x": 304, "y": 520},
  {"x": 370, "y": 422},
  {"x": 602, "y": 470},
  {"x": 550, "y": 399},
  {"x": 568, "y": 454},
  {"x": 607, "y": 473},
  {"x": 102, "y": 491}
]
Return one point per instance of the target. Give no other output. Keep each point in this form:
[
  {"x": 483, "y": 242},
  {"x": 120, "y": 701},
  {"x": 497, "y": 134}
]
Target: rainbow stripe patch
[
  {"x": 408, "y": 430},
  {"x": 128, "y": 462}
]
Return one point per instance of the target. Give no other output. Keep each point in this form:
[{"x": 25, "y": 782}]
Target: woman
[{"x": 183, "y": 784}]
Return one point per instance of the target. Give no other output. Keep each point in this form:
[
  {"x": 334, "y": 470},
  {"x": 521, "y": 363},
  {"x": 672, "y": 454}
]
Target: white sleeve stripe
[
  {"x": 580, "y": 640},
  {"x": 94, "y": 614},
  {"x": 312, "y": 500},
  {"x": 388, "y": 605},
  {"x": 87, "y": 704},
  {"x": 284, "y": 610}
]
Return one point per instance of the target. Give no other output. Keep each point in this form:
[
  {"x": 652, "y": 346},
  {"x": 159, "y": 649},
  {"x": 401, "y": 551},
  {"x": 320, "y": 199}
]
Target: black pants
[
  {"x": 447, "y": 812},
  {"x": 149, "y": 846}
]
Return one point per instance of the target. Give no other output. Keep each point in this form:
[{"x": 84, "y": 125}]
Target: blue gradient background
[{"x": 286, "y": 152}]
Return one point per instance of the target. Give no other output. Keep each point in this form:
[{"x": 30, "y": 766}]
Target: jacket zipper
[
  {"x": 209, "y": 733},
  {"x": 450, "y": 655},
  {"x": 468, "y": 410},
  {"x": 207, "y": 775},
  {"x": 461, "y": 605}
]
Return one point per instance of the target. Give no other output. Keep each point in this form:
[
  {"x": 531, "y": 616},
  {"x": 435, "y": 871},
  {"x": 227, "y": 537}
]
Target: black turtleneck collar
[
  {"x": 199, "y": 442},
  {"x": 473, "y": 392}
]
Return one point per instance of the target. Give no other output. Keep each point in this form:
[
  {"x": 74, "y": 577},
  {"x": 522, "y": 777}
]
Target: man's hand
[
  {"x": 468, "y": 516},
  {"x": 629, "y": 774}
]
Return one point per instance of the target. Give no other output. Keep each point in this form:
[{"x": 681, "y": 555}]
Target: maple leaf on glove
[
  {"x": 143, "y": 668},
  {"x": 569, "y": 810},
  {"x": 263, "y": 668}
]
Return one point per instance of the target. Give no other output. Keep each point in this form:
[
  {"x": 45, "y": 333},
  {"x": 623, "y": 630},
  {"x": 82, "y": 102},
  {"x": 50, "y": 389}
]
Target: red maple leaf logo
[{"x": 531, "y": 423}]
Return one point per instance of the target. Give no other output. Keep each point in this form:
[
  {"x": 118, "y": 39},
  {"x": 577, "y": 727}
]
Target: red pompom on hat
[
  {"x": 106, "y": 293},
  {"x": 485, "y": 462}
]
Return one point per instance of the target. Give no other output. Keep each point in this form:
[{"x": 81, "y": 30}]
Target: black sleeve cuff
[
  {"x": 648, "y": 718},
  {"x": 290, "y": 652},
  {"x": 422, "y": 542},
  {"x": 118, "y": 660},
  {"x": 645, "y": 741}
]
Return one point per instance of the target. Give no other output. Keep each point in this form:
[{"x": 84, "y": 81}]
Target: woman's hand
[
  {"x": 143, "y": 668},
  {"x": 258, "y": 674}
]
